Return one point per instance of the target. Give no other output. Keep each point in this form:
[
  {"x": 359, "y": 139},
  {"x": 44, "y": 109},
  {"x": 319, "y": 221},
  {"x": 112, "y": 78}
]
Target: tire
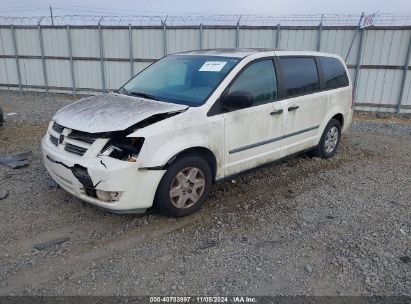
[
  {"x": 330, "y": 140},
  {"x": 180, "y": 194}
]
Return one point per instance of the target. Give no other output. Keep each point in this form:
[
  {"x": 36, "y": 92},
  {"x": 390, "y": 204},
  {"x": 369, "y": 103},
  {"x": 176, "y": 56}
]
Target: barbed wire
[{"x": 398, "y": 19}]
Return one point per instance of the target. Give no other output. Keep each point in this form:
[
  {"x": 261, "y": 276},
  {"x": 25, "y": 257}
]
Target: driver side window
[{"x": 259, "y": 81}]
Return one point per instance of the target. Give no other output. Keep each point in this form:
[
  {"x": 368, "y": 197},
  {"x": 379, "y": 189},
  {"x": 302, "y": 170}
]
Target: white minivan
[{"x": 195, "y": 118}]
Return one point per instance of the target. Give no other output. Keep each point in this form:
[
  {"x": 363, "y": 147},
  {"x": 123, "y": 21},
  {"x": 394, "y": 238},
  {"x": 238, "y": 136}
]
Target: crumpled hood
[{"x": 110, "y": 112}]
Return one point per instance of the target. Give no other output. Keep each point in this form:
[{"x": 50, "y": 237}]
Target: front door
[{"x": 252, "y": 134}]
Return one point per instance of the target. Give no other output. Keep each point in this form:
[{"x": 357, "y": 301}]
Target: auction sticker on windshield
[{"x": 212, "y": 66}]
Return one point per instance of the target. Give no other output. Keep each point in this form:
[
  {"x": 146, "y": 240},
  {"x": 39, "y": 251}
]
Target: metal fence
[{"x": 90, "y": 54}]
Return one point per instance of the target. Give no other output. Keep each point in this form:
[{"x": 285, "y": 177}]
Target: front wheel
[
  {"x": 330, "y": 140},
  {"x": 184, "y": 187}
]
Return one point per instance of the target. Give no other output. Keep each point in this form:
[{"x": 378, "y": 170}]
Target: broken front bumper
[{"x": 82, "y": 176}]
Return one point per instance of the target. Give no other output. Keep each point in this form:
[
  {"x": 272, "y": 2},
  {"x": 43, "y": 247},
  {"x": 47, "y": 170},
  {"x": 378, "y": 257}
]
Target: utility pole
[{"x": 51, "y": 16}]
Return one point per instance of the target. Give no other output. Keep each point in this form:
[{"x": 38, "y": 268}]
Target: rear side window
[
  {"x": 300, "y": 75},
  {"x": 334, "y": 72}
]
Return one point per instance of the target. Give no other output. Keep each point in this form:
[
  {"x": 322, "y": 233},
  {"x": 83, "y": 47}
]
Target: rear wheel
[
  {"x": 330, "y": 140},
  {"x": 184, "y": 187}
]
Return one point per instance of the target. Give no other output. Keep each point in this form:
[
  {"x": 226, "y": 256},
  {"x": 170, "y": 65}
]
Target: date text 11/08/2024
[{"x": 203, "y": 299}]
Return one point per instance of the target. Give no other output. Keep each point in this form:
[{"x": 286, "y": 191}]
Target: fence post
[
  {"x": 277, "y": 38},
  {"x": 320, "y": 30},
  {"x": 404, "y": 76},
  {"x": 353, "y": 38},
  {"x": 16, "y": 56},
  {"x": 70, "y": 49},
  {"x": 130, "y": 42},
  {"x": 43, "y": 60},
  {"x": 100, "y": 36},
  {"x": 201, "y": 36},
  {"x": 358, "y": 64},
  {"x": 164, "y": 36},
  {"x": 237, "y": 33}
]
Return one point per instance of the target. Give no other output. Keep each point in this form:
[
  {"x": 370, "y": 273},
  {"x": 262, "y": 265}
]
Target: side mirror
[{"x": 237, "y": 100}]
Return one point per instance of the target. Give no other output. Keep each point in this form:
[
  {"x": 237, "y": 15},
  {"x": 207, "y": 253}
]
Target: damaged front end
[
  {"x": 102, "y": 168},
  {"x": 125, "y": 148}
]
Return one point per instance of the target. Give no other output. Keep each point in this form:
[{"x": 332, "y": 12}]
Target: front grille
[
  {"x": 76, "y": 142},
  {"x": 83, "y": 136},
  {"x": 54, "y": 140},
  {"x": 58, "y": 128},
  {"x": 75, "y": 149}
]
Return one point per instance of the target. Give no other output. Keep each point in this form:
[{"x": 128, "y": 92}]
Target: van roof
[{"x": 244, "y": 52}]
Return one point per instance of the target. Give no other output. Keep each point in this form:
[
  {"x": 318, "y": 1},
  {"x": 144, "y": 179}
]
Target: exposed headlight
[
  {"x": 126, "y": 149},
  {"x": 107, "y": 151}
]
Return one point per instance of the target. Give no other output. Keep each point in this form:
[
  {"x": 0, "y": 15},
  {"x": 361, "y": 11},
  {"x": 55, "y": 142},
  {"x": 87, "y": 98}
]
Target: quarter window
[
  {"x": 259, "y": 80},
  {"x": 300, "y": 75},
  {"x": 334, "y": 72}
]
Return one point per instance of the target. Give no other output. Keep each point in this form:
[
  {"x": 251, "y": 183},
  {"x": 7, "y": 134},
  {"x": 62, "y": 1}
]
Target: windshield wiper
[
  {"x": 138, "y": 94},
  {"x": 124, "y": 91},
  {"x": 144, "y": 95}
]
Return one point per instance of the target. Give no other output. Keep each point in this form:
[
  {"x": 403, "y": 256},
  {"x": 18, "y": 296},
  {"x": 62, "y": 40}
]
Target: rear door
[
  {"x": 304, "y": 105},
  {"x": 252, "y": 134}
]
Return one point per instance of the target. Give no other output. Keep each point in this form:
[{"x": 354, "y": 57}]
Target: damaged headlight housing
[{"x": 123, "y": 148}]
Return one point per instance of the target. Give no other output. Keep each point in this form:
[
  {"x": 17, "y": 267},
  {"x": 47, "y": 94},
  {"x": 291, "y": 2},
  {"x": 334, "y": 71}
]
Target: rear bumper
[{"x": 136, "y": 187}]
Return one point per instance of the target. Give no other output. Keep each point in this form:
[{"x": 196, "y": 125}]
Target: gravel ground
[{"x": 306, "y": 226}]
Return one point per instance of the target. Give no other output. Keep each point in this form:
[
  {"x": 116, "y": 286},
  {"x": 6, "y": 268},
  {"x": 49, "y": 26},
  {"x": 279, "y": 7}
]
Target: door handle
[
  {"x": 293, "y": 108},
  {"x": 277, "y": 112}
]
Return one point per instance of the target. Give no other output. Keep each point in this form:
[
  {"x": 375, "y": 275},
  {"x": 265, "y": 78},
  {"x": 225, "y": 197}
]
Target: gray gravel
[{"x": 306, "y": 226}]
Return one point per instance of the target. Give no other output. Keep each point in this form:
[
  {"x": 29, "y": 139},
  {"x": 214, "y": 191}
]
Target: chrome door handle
[
  {"x": 293, "y": 108},
  {"x": 276, "y": 112}
]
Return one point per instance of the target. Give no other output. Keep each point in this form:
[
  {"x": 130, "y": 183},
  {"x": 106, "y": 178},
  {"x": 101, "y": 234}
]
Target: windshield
[{"x": 182, "y": 79}]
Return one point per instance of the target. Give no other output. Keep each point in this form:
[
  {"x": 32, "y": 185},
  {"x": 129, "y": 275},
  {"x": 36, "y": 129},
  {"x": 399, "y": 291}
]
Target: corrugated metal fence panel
[
  {"x": 85, "y": 42},
  {"x": 385, "y": 47},
  {"x": 219, "y": 38},
  {"x": 6, "y": 42},
  {"x": 31, "y": 72},
  {"x": 58, "y": 73},
  {"x": 379, "y": 81},
  {"x": 116, "y": 43},
  {"x": 179, "y": 40},
  {"x": 88, "y": 74},
  {"x": 27, "y": 41},
  {"x": 117, "y": 73},
  {"x": 298, "y": 39},
  {"x": 379, "y": 86},
  {"x": 264, "y": 38},
  {"x": 147, "y": 43},
  {"x": 338, "y": 41},
  {"x": 406, "y": 100},
  {"x": 55, "y": 42},
  {"x": 8, "y": 72}
]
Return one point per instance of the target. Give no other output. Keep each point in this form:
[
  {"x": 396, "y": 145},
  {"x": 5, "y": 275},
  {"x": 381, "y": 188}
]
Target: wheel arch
[
  {"x": 202, "y": 152},
  {"x": 340, "y": 119}
]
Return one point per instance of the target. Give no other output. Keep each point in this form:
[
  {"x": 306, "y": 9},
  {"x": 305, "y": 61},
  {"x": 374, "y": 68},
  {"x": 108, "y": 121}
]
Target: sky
[{"x": 205, "y": 7}]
